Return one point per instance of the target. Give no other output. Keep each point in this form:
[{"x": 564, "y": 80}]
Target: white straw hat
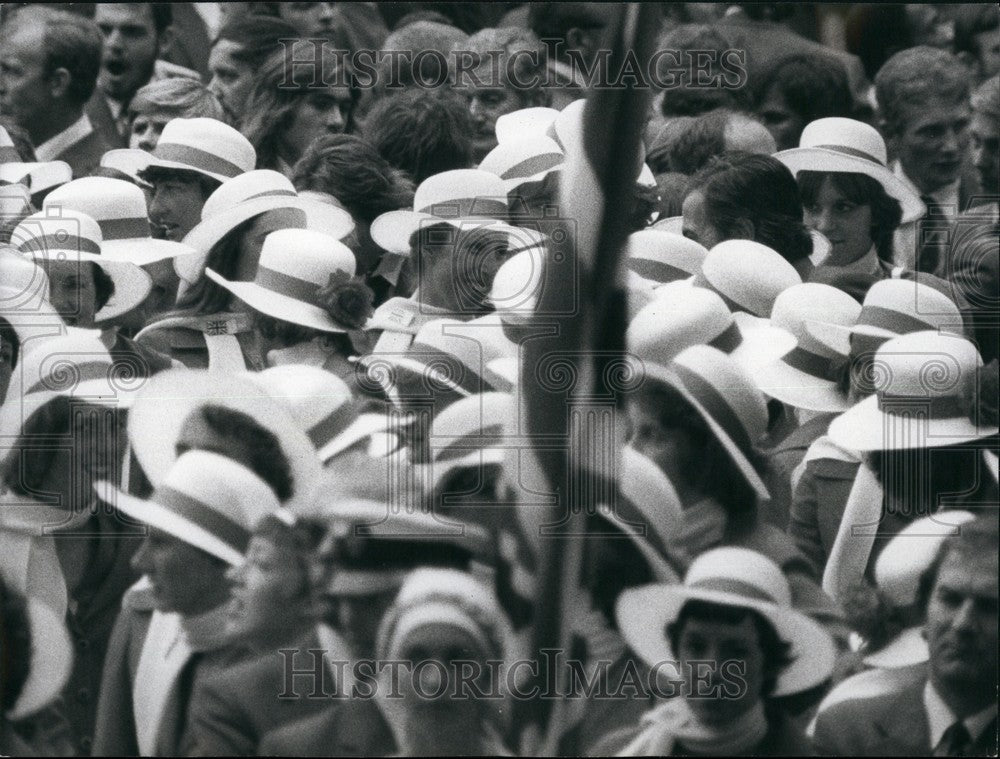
[
  {"x": 664, "y": 256},
  {"x": 119, "y": 208},
  {"x": 528, "y": 159},
  {"x": 807, "y": 377},
  {"x": 68, "y": 235},
  {"x": 847, "y": 146},
  {"x": 892, "y": 307},
  {"x": 736, "y": 577},
  {"x": 749, "y": 276},
  {"x": 926, "y": 397},
  {"x": 298, "y": 274},
  {"x": 207, "y": 500},
  {"x": 205, "y": 146}
]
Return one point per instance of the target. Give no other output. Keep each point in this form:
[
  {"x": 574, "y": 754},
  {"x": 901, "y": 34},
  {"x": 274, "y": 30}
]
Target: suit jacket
[
  {"x": 85, "y": 155},
  {"x": 891, "y": 724},
  {"x": 233, "y": 709},
  {"x": 348, "y": 727}
]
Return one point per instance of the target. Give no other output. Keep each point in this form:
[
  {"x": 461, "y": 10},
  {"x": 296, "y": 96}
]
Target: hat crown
[
  {"x": 306, "y": 255},
  {"x": 749, "y": 273},
  {"x": 222, "y": 485},
  {"x": 206, "y": 136},
  {"x": 740, "y": 568},
  {"x": 916, "y": 300},
  {"x": 243, "y": 187},
  {"x": 100, "y": 197},
  {"x": 797, "y": 306},
  {"x": 59, "y": 232},
  {"x": 848, "y": 135},
  {"x": 668, "y": 325},
  {"x": 926, "y": 365},
  {"x": 460, "y": 192}
]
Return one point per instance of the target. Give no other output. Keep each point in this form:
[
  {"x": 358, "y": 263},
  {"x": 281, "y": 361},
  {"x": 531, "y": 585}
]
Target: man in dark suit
[
  {"x": 951, "y": 708},
  {"x": 49, "y": 62}
]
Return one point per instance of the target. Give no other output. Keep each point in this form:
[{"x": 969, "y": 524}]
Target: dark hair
[
  {"x": 9, "y": 336},
  {"x": 15, "y": 646},
  {"x": 71, "y": 42},
  {"x": 777, "y": 652},
  {"x": 267, "y": 459},
  {"x": 710, "y": 468},
  {"x": 351, "y": 170},
  {"x": 813, "y": 86},
  {"x": 759, "y": 188},
  {"x": 861, "y": 190},
  {"x": 975, "y": 540},
  {"x": 104, "y": 286},
  {"x": 915, "y": 77},
  {"x": 423, "y": 132},
  {"x": 206, "y": 184},
  {"x": 257, "y": 36}
]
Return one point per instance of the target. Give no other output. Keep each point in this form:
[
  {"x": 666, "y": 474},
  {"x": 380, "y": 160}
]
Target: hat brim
[
  {"x": 142, "y": 251},
  {"x": 645, "y": 612},
  {"x": 825, "y": 160},
  {"x": 51, "y": 661},
  {"x": 864, "y": 427},
  {"x": 906, "y": 649},
  {"x": 321, "y": 217},
  {"x": 279, "y": 306},
  {"x": 167, "y": 399},
  {"x": 392, "y": 230},
  {"x": 666, "y": 376},
  {"x": 151, "y": 513},
  {"x": 796, "y": 388}
]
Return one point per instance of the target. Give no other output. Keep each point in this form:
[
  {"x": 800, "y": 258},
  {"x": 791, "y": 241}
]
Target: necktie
[{"x": 956, "y": 741}]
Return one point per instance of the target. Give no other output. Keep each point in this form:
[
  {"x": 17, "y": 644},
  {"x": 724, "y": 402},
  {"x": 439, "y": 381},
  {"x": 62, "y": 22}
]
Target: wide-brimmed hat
[
  {"x": 807, "y": 377},
  {"x": 323, "y": 406},
  {"x": 842, "y": 145},
  {"x": 892, "y": 307},
  {"x": 749, "y": 276},
  {"x": 298, "y": 278},
  {"x": 463, "y": 198},
  {"x": 681, "y": 316},
  {"x": 926, "y": 397},
  {"x": 898, "y": 571},
  {"x": 528, "y": 159},
  {"x": 168, "y": 398},
  {"x": 736, "y": 577},
  {"x": 68, "y": 235},
  {"x": 207, "y": 500},
  {"x": 204, "y": 146},
  {"x": 37, "y": 176},
  {"x": 119, "y": 208},
  {"x": 248, "y": 195},
  {"x": 524, "y": 122},
  {"x": 51, "y": 660},
  {"x": 664, "y": 257}
]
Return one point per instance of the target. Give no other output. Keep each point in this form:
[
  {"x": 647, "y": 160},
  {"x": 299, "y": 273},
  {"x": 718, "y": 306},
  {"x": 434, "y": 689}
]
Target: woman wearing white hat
[{"x": 735, "y": 606}]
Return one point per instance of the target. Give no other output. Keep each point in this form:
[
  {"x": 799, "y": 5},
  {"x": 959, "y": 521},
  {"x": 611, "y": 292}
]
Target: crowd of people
[{"x": 273, "y": 478}]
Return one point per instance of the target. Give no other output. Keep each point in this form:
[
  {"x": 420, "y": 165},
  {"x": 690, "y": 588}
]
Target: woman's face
[
  {"x": 847, "y": 225},
  {"x": 697, "y": 226},
  {"x": 318, "y": 112},
  {"x": 266, "y": 590},
  {"x": 252, "y": 240}
]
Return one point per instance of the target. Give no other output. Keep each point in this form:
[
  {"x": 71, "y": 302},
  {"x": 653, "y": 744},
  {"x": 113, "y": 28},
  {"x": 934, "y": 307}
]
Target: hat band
[
  {"x": 331, "y": 425},
  {"x": 67, "y": 375},
  {"x": 853, "y": 152},
  {"x": 938, "y": 407},
  {"x": 732, "y": 586},
  {"x": 717, "y": 407},
  {"x": 701, "y": 281},
  {"x": 728, "y": 340},
  {"x": 536, "y": 164},
  {"x": 196, "y": 158},
  {"x": 125, "y": 229},
  {"x": 894, "y": 321},
  {"x": 287, "y": 285},
  {"x": 459, "y": 207},
  {"x": 658, "y": 271},
  {"x": 812, "y": 364},
  {"x": 44, "y": 243},
  {"x": 204, "y": 516},
  {"x": 486, "y": 437}
]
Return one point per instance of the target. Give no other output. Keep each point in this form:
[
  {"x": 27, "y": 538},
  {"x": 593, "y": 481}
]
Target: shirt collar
[
  {"x": 946, "y": 196},
  {"x": 940, "y": 716},
  {"x": 51, "y": 149}
]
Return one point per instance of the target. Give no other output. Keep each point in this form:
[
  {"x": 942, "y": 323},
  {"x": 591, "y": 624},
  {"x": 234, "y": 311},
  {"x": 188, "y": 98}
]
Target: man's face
[
  {"x": 317, "y": 113},
  {"x": 184, "y": 579},
  {"x": 231, "y": 80},
  {"x": 175, "y": 206},
  {"x": 933, "y": 143},
  {"x": 961, "y": 627},
  {"x": 24, "y": 90},
  {"x": 73, "y": 292},
  {"x": 130, "y": 47},
  {"x": 985, "y": 131},
  {"x": 310, "y": 19},
  {"x": 146, "y": 130}
]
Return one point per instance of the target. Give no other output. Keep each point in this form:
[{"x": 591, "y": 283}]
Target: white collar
[
  {"x": 51, "y": 149},
  {"x": 940, "y": 716},
  {"x": 946, "y": 196}
]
